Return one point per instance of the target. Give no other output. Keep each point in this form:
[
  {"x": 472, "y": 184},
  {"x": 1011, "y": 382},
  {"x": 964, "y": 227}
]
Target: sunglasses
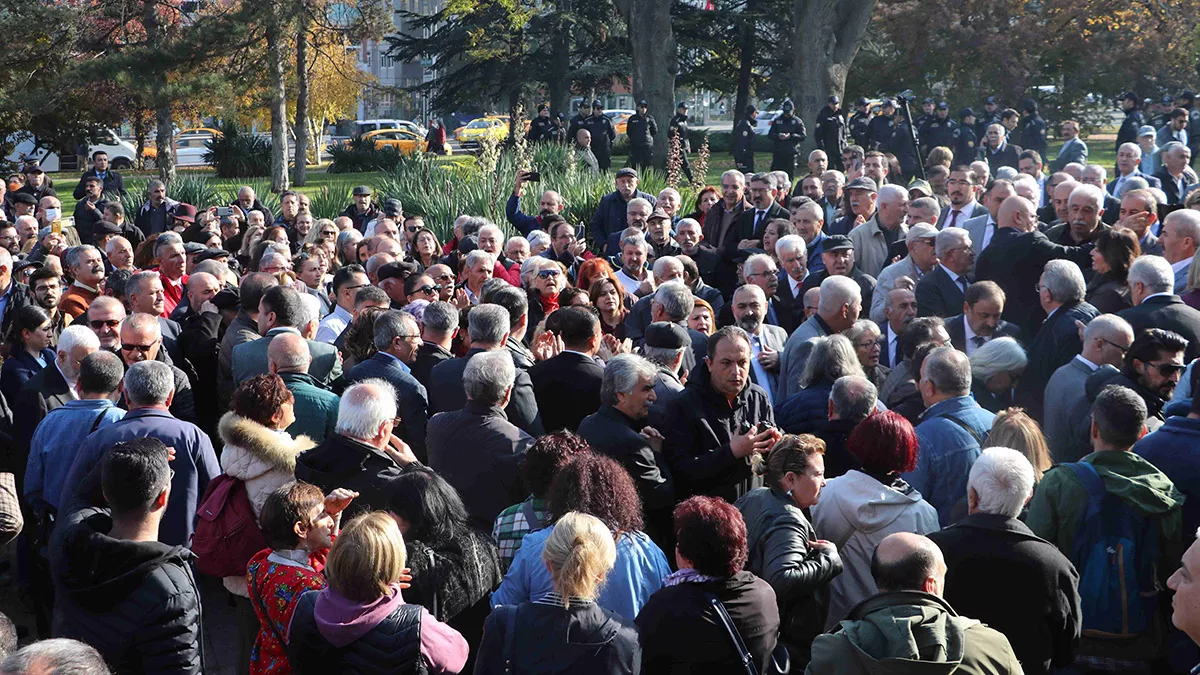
[
  {"x": 444, "y": 277},
  {"x": 546, "y": 274},
  {"x": 429, "y": 290},
  {"x": 97, "y": 324},
  {"x": 1168, "y": 369},
  {"x": 145, "y": 349},
  {"x": 412, "y": 229}
]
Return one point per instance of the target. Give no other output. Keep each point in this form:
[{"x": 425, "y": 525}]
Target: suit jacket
[
  {"x": 775, "y": 338},
  {"x": 250, "y": 359},
  {"x": 428, "y": 356},
  {"x": 1167, "y": 312},
  {"x": 446, "y": 393},
  {"x": 743, "y": 227},
  {"x": 1065, "y": 391},
  {"x": 1015, "y": 261},
  {"x": 956, "y": 326},
  {"x": 789, "y": 310},
  {"x": 1008, "y": 156},
  {"x": 977, "y": 227},
  {"x": 1153, "y": 181},
  {"x": 795, "y": 352},
  {"x": 938, "y": 295},
  {"x": 610, "y": 432},
  {"x": 113, "y": 183},
  {"x": 412, "y": 401},
  {"x": 1074, "y": 150},
  {"x": 1150, "y": 244},
  {"x": 1169, "y": 186},
  {"x": 567, "y": 389},
  {"x": 1056, "y": 343},
  {"x": 975, "y": 211}
]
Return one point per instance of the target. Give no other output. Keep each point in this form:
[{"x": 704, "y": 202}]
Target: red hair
[
  {"x": 596, "y": 268},
  {"x": 884, "y": 443},
  {"x": 710, "y": 533}
]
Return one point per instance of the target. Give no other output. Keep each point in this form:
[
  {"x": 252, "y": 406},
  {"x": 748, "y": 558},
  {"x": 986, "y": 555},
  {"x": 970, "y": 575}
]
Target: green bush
[
  {"x": 238, "y": 154},
  {"x": 359, "y": 156}
]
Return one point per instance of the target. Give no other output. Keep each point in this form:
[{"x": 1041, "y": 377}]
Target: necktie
[
  {"x": 978, "y": 341},
  {"x": 953, "y": 218},
  {"x": 962, "y": 283},
  {"x": 758, "y": 216}
]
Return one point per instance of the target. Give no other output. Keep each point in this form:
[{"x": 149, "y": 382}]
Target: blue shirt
[
  {"x": 403, "y": 365},
  {"x": 947, "y": 451},
  {"x": 57, "y": 438},
  {"x": 638, "y": 572}
]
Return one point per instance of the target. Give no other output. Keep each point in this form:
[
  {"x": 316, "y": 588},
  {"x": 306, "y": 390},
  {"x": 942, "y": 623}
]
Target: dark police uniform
[
  {"x": 540, "y": 130},
  {"x": 1193, "y": 127},
  {"x": 577, "y": 122},
  {"x": 743, "y": 146},
  {"x": 902, "y": 147},
  {"x": 985, "y": 120},
  {"x": 881, "y": 133},
  {"x": 558, "y": 133},
  {"x": 641, "y": 130},
  {"x": 1128, "y": 133},
  {"x": 1033, "y": 134},
  {"x": 859, "y": 124},
  {"x": 831, "y": 135},
  {"x": 966, "y": 145},
  {"x": 784, "y": 150},
  {"x": 679, "y": 127},
  {"x": 939, "y": 133},
  {"x": 603, "y": 135},
  {"x": 922, "y": 123}
]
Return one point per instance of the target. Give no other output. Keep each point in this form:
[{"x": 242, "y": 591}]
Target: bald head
[
  {"x": 201, "y": 287},
  {"x": 1062, "y": 196},
  {"x": 1017, "y": 212},
  {"x": 908, "y": 562},
  {"x": 288, "y": 353}
]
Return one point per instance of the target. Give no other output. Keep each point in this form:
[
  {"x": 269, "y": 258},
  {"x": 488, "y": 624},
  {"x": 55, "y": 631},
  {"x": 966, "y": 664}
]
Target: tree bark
[
  {"x": 276, "y": 59},
  {"x": 746, "y": 45},
  {"x": 559, "y": 85},
  {"x": 165, "y": 129},
  {"x": 300, "y": 176},
  {"x": 655, "y": 63},
  {"x": 832, "y": 31}
]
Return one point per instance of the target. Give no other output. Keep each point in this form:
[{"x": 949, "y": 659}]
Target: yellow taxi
[
  {"x": 621, "y": 122},
  {"x": 404, "y": 141},
  {"x": 495, "y": 127}
]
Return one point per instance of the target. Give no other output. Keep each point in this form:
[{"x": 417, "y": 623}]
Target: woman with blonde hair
[
  {"x": 1014, "y": 428},
  {"x": 360, "y": 622},
  {"x": 565, "y": 631}
]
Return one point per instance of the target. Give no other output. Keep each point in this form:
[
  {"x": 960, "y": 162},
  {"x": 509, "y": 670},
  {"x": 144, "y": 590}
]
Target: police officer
[
  {"x": 1033, "y": 129},
  {"x": 641, "y": 130},
  {"x": 831, "y": 132},
  {"x": 743, "y": 141},
  {"x": 678, "y": 128},
  {"x": 902, "y": 146},
  {"x": 927, "y": 115},
  {"x": 787, "y": 131},
  {"x": 579, "y": 121},
  {"x": 882, "y": 128},
  {"x": 540, "y": 129},
  {"x": 860, "y": 122},
  {"x": 990, "y": 116},
  {"x": 603, "y": 135},
  {"x": 1128, "y": 133},
  {"x": 966, "y": 144},
  {"x": 558, "y": 129},
  {"x": 939, "y": 132}
]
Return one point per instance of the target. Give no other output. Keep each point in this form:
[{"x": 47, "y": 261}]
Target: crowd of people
[{"x": 850, "y": 424}]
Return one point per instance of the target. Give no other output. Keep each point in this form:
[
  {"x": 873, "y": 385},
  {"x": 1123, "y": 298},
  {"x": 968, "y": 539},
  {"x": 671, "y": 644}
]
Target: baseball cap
[
  {"x": 862, "y": 101},
  {"x": 942, "y": 105},
  {"x": 1145, "y": 130},
  {"x": 750, "y": 109},
  {"x": 838, "y": 242},
  {"x": 926, "y": 101},
  {"x": 863, "y": 183},
  {"x": 597, "y": 104},
  {"x": 888, "y": 103},
  {"x": 362, "y": 190},
  {"x": 542, "y": 106},
  {"x": 991, "y": 100},
  {"x": 834, "y": 99},
  {"x": 667, "y": 335},
  {"x": 920, "y": 231},
  {"x": 682, "y": 104},
  {"x": 627, "y": 171},
  {"x": 966, "y": 112},
  {"x": 920, "y": 185},
  {"x": 1130, "y": 96},
  {"x": 643, "y": 104},
  {"x": 658, "y": 214},
  {"x": 32, "y": 167}
]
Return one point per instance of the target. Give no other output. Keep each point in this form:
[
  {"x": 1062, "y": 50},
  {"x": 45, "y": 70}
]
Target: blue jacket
[
  {"x": 18, "y": 369},
  {"x": 947, "y": 451},
  {"x": 57, "y": 439},
  {"x": 639, "y": 572},
  {"x": 524, "y": 222},
  {"x": 195, "y": 464},
  {"x": 1171, "y": 448},
  {"x": 610, "y": 217},
  {"x": 806, "y": 411},
  {"x": 411, "y": 397}
]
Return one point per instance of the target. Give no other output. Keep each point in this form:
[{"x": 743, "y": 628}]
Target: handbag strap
[
  {"x": 723, "y": 614},
  {"x": 510, "y": 635}
]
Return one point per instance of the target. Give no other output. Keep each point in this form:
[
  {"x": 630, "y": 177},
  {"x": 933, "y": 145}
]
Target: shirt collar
[
  {"x": 1181, "y": 265},
  {"x": 1089, "y": 364},
  {"x": 953, "y": 275},
  {"x": 968, "y": 334},
  {"x": 1156, "y": 295},
  {"x": 390, "y": 355}
]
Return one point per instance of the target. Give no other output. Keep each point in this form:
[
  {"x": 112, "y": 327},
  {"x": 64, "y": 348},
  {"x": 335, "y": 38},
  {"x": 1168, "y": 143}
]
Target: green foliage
[
  {"x": 361, "y": 156},
  {"x": 238, "y": 154},
  {"x": 331, "y": 199}
]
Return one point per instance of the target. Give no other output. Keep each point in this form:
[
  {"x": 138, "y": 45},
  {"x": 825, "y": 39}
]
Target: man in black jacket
[
  {"x": 362, "y": 455},
  {"x": 619, "y": 430},
  {"x": 831, "y": 132},
  {"x": 437, "y": 335},
  {"x": 641, "y": 130},
  {"x": 786, "y": 133},
  {"x": 603, "y": 135},
  {"x": 119, "y": 589},
  {"x": 1000, "y": 572},
  {"x": 111, "y": 181},
  {"x": 397, "y": 338},
  {"x": 743, "y": 140},
  {"x": 567, "y": 386},
  {"x": 1156, "y": 305}
]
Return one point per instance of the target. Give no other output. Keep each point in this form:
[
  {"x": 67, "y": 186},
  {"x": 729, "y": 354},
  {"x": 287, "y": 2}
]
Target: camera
[
  {"x": 533, "y": 176},
  {"x": 224, "y": 211},
  {"x": 907, "y": 95}
]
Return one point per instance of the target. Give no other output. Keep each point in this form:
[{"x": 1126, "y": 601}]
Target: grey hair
[
  {"x": 1132, "y": 183},
  {"x": 861, "y": 328},
  {"x": 441, "y": 317},
  {"x": 639, "y": 201},
  {"x": 766, "y": 177},
  {"x": 661, "y": 263},
  {"x": 1064, "y": 281},
  {"x": 479, "y": 256},
  {"x": 1089, "y": 192},
  {"x": 1100, "y": 171},
  {"x": 1188, "y": 220},
  {"x": 753, "y": 261},
  {"x": 663, "y": 356},
  {"x": 72, "y": 256},
  {"x": 831, "y": 358},
  {"x": 77, "y": 335},
  {"x": 836, "y": 292},
  {"x": 364, "y": 407},
  {"x": 149, "y": 383},
  {"x": 57, "y": 656},
  {"x": 810, "y": 205},
  {"x": 533, "y": 265},
  {"x": 495, "y": 229},
  {"x": 488, "y": 324},
  {"x": 166, "y": 239},
  {"x": 143, "y": 321},
  {"x": 1002, "y": 479},
  {"x": 949, "y": 238},
  {"x": 1106, "y": 326},
  {"x": 949, "y": 371},
  {"x": 635, "y": 240},
  {"x": 891, "y": 192},
  {"x": 390, "y": 325},
  {"x": 741, "y": 177},
  {"x": 488, "y": 376},
  {"x": 621, "y": 375},
  {"x": 1005, "y": 172},
  {"x": 1153, "y": 271},
  {"x": 676, "y": 300},
  {"x": 853, "y": 397},
  {"x": 348, "y": 236},
  {"x": 792, "y": 242},
  {"x": 516, "y": 239},
  {"x": 289, "y": 355},
  {"x": 690, "y": 222},
  {"x": 538, "y": 238},
  {"x": 925, "y": 203},
  {"x": 312, "y": 309},
  {"x": 1131, "y": 146},
  {"x": 1000, "y": 355}
]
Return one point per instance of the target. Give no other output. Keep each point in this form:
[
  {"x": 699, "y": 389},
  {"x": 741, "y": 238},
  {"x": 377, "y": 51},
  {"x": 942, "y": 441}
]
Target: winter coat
[
  {"x": 581, "y": 640},
  {"x": 856, "y": 512},
  {"x": 342, "y": 462},
  {"x": 1171, "y": 449},
  {"x": 806, "y": 410},
  {"x": 264, "y": 459}
]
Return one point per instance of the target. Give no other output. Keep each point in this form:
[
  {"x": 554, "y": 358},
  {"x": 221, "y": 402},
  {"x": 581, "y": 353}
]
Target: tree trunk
[
  {"x": 833, "y": 31},
  {"x": 276, "y": 59},
  {"x": 746, "y": 45},
  {"x": 559, "y": 86},
  {"x": 655, "y": 63},
  {"x": 165, "y": 137},
  {"x": 300, "y": 176}
]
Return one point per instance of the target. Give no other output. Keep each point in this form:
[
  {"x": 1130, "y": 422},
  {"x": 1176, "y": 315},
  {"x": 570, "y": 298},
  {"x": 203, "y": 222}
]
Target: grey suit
[
  {"x": 974, "y": 212},
  {"x": 774, "y": 338},
  {"x": 1181, "y": 279},
  {"x": 795, "y": 352},
  {"x": 1073, "y": 151},
  {"x": 1064, "y": 392},
  {"x": 250, "y": 359},
  {"x": 1151, "y": 246},
  {"x": 903, "y": 267},
  {"x": 976, "y": 227}
]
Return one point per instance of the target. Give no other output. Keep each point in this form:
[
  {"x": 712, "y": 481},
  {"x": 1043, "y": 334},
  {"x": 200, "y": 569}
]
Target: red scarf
[{"x": 549, "y": 303}]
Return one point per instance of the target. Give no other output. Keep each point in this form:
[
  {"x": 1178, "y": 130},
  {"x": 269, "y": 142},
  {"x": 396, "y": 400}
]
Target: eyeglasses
[
  {"x": 546, "y": 274},
  {"x": 444, "y": 277},
  {"x": 145, "y": 349},
  {"x": 97, "y": 324},
  {"x": 412, "y": 228},
  {"x": 1121, "y": 347},
  {"x": 1168, "y": 369},
  {"x": 429, "y": 290},
  {"x": 355, "y": 288}
]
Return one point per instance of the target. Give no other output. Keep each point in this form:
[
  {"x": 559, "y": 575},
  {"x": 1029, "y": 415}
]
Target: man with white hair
[
  {"x": 792, "y": 254},
  {"x": 1180, "y": 239},
  {"x": 1155, "y": 303},
  {"x": 941, "y": 292},
  {"x": 1085, "y": 213},
  {"x": 921, "y": 242},
  {"x": 852, "y": 400},
  {"x": 635, "y": 250},
  {"x": 665, "y": 269},
  {"x": 1094, "y": 174},
  {"x": 478, "y": 267},
  {"x": 396, "y": 339},
  {"x": 491, "y": 240},
  {"x": 1105, "y": 341},
  {"x": 809, "y": 220},
  {"x": 1000, "y": 572},
  {"x": 752, "y": 223},
  {"x": 690, "y": 237},
  {"x": 1129, "y": 159},
  {"x": 840, "y": 305},
  {"x": 1061, "y": 290},
  {"x": 1172, "y": 175},
  {"x": 53, "y": 385},
  {"x": 875, "y": 239}
]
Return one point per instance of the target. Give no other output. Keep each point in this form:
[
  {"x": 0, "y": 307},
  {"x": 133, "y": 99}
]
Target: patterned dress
[{"x": 274, "y": 589}]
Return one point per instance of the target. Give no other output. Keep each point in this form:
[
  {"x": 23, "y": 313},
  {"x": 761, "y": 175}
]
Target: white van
[{"x": 121, "y": 153}]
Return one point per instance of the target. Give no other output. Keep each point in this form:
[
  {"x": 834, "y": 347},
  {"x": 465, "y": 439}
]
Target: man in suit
[
  {"x": 766, "y": 341},
  {"x": 997, "y": 151},
  {"x": 899, "y": 311},
  {"x": 1175, "y": 159},
  {"x": 874, "y": 239},
  {"x": 759, "y": 269},
  {"x": 567, "y": 386},
  {"x": 282, "y": 311},
  {"x": 960, "y": 187},
  {"x": 1060, "y": 293},
  {"x": 789, "y": 293},
  {"x": 1094, "y": 174},
  {"x": 1180, "y": 238},
  {"x": 1016, "y": 257},
  {"x": 981, "y": 229},
  {"x": 665, "y": 269},
  {"x": 50, "y": 388},
  {"x": 397, "y": 338},
  {"x": 840, "y": 305},
  {"x": 809, "y": 220},
  {"x": 489, "y": 329},
  {"x": 747, "y": 231},
  {"x": 980, "y": 321},
  {"x": 921, "y": 240},
  {"x": 437, "y": 337},
  {"x": 1073, "y": 149},
  {"x": 1129, "y": 158},
  {"x": 1156, "y": 305},
  {"x": 689, "y": 235},
  {"x": 111, "y": 180},
  {"x": 940, "y": 293},
  {"x": 1105, "y": 341}
]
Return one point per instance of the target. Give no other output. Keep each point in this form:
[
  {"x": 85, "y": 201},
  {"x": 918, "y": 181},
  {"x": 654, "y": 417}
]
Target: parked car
[
  {"x": 403, "y": 140},
  {"x": 484, "y": 127},
  {"x": 121, "y": 153},
  {"x": 763, "y": 125},
  {"x": 620, "y": 119},
  {"x": 366, "y": 126}
]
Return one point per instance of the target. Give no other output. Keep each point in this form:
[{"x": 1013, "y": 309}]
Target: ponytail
[{"x": 579, "y": 552}]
